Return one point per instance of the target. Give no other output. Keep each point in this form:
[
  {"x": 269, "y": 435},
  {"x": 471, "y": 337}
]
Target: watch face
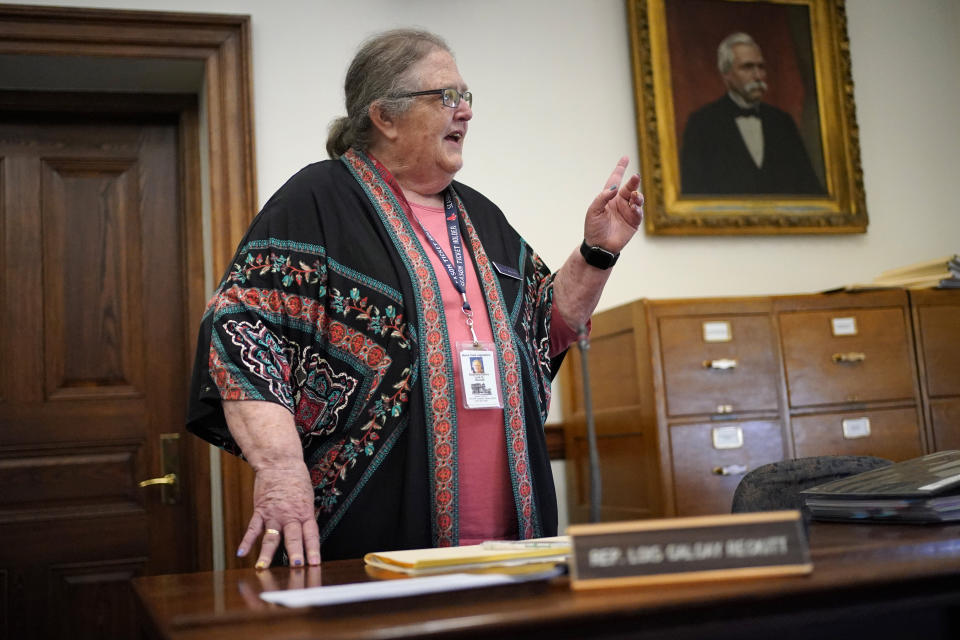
[
  {"x": 601, "y": 258},
  {"x": 598, "y": 256}
]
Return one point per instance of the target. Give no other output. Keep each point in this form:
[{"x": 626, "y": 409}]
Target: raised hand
[{"x": 616, "y": 213}]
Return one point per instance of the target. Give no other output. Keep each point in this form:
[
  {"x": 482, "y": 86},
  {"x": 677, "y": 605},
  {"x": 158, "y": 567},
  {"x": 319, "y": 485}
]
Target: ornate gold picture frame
[{"x": 697, "y": 179}]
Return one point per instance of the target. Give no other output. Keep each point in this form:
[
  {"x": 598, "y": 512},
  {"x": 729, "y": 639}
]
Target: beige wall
[{"x": 554, "y": 111}]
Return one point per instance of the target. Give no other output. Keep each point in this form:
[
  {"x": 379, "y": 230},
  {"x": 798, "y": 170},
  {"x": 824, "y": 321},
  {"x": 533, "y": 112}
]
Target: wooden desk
[{"x": 869, "y": 581}]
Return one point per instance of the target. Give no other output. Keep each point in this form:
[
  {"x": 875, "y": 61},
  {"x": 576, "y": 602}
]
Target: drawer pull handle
[
  {"x": 730, "y": 470},
  {"x": 851, "y": 357},
  {"x": 722, "y": 364}
]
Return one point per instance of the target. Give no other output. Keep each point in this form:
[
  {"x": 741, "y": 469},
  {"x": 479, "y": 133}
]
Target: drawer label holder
[
  {"x": 674, "y": 550},
  {"x": 727, "y": 437},
  {"x": 844, "y": 326},
  {"x": 717, "y": 331},
  {"x": 855, "y": 428}
]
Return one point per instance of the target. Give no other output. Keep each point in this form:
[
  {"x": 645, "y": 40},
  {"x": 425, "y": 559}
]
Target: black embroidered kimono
[{"x": 331, "y": 309}]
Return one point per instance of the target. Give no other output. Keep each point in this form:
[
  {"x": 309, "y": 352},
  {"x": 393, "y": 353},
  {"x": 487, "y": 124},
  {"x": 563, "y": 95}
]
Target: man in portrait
[{"x": 739, "y": 144}]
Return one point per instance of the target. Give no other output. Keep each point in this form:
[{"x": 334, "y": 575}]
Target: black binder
[{"x": 921, "y": 490}]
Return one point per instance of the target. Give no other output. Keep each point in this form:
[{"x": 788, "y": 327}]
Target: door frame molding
[{"x": 222, "y": 43}]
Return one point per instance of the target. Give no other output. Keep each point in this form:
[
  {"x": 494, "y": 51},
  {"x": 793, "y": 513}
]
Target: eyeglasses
[{"x": 451, "y": 97}]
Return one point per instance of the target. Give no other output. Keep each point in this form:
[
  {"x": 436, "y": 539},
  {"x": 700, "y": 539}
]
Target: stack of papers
[
  {"x": 491, "y": 564},
  {"x": 943, "y": 273},
  {"x": 499, "y": 556},
  {"x": 921, "y": 490},
  {"x": 390, "y": 589}
]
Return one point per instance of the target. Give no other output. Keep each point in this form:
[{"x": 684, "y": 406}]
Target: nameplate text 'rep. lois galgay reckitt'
[{"x": 742, "y": 545}]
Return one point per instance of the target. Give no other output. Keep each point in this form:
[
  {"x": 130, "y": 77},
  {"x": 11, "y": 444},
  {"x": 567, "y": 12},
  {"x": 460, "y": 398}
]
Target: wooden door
[{"x": 92, "y": 371}]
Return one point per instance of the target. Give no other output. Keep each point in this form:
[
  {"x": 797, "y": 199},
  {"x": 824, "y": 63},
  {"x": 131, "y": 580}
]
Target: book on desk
[
  {"x": 920, "y": 490},
  {"x": 943, "y": 273}
]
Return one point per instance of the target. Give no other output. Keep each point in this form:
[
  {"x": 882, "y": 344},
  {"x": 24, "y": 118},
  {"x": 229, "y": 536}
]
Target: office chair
[{"x": 778, "y": 485}]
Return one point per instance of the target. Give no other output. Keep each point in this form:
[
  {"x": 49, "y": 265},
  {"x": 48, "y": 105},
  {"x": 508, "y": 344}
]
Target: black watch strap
[{"x": 598, "y": 256}]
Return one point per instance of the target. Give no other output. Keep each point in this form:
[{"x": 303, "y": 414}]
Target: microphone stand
[{"x": 596, "y": 490}]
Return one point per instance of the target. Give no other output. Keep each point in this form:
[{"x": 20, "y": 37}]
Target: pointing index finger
[{"x": 614, "y": 180}]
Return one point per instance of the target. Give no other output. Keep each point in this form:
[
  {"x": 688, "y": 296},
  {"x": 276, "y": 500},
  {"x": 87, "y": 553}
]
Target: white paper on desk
[{"x": 363, "y": 591}]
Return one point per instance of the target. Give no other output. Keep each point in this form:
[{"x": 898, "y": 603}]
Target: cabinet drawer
[
  {"x": 729, "y": 365},
  {"x": 700, "y": 486},
  {"x": 940, "y": 342},
  {"x": 629, "y": 484},
  {"x": 846, "y": 355},
  {"x": 613, "y": 371},
  {"x": 945, "y": 416},
  {"x": 888, "y": 433}
]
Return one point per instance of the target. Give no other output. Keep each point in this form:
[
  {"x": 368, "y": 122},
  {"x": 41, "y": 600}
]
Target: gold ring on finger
[{"x": 273, "y": 531}]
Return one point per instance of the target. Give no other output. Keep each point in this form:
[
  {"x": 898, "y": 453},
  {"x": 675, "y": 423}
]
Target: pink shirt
[{"x": 487, "y": 510}]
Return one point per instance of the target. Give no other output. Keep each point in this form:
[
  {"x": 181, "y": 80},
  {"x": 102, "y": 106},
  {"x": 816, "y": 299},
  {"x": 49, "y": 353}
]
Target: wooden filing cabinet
[
  {"x": 721, "y": 409},
  {"x": 691, "y": 394},
  {"x": 624, "y": 416},
  {"x": 850, "y": 375},
  {"x": 936, "y": 320},
  {"x": 704, "y": 475},
  {"x": 735, "y": 373}
]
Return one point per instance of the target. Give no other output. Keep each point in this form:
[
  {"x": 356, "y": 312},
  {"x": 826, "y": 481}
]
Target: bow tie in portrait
[{"x": 747, "y": 113}]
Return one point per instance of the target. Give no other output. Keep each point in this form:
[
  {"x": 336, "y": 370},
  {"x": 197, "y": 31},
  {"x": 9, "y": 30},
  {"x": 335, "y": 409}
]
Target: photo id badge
[{"x": 479, "y": 376}]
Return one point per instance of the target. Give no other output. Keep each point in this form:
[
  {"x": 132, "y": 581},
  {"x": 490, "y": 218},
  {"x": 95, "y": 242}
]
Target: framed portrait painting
[{"x": 746, "y": 117}]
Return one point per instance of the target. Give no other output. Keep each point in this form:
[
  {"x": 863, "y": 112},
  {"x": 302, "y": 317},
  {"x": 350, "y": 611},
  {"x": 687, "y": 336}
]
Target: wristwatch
[{"x": 598, "y": 256}]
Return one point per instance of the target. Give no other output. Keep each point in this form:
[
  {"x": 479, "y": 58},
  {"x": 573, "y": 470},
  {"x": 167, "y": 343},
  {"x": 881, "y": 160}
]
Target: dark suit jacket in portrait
[{"x": 714, "y": 158}]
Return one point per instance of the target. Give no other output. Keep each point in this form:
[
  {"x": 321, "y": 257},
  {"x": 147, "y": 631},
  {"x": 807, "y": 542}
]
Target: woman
[{"x": 335, "y": 354}]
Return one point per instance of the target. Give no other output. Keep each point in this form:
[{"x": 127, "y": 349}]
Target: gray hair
[
  {"x": 381, "y": 69},
  {"x": 725, "y": 50}
]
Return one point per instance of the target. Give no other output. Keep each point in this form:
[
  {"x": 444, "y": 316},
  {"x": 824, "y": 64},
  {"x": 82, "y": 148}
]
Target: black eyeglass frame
[{"x": 461, "y": 95}]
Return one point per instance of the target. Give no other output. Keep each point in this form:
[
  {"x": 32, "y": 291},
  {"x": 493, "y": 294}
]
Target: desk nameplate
[{"x": 689, "y": 549}]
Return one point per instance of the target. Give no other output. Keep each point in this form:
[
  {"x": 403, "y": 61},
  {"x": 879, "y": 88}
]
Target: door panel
[
  {"x": 93, "y": 346},
  {"x": 91, "y": 256}
]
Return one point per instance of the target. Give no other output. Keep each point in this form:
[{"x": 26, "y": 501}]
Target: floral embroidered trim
[
  {"x": 307, "y": 314},
  {"x": 513, "y": 418},
  {"x": 231, "y": 385},
  {"x": 322, "y": 396},
  {"x": 438, "y": 385},
  {"x": 262, "y": 354},
  {"x": 378, "y": 459},
  {"x": 343, "y": 455},
  {"x": 278, "y": 263},
  {"x": 539, "y": 294}
]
